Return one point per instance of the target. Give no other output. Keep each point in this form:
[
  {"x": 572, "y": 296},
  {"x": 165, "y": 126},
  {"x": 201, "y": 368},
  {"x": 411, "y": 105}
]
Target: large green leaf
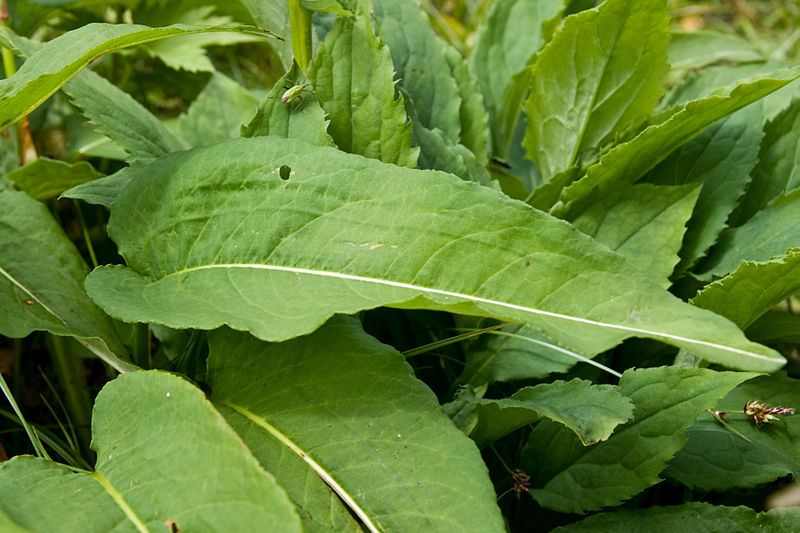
[
  {"x": 41, "y": 281},
  {"x": 285, "y": 234},
  {"x": 353, "y": 81},
  {"x": 339, "y": 405},
  {"x": 643, "y": 222},
  {"x": 768, "y": 234},
  {"x": 575, "y": 479},
  {"x": 629, "y": 161},
  {"x": 717, "y": 458},
  {"x": 52, "y": 65},
  {"x": 598, "y": 76},
  {"x": 449, "y": 122},
  {"x": 753, "y": 289},
  {"x": 151, "y": 468},
  {"x": 46, "y": 178},
  {"x": 590, "y": 411},
  {"x": 778, "y": 170},
  {"x": 500, "y": 53},
  {"x": 720, "y": 158},
  {"x": 693, "y": 516}
]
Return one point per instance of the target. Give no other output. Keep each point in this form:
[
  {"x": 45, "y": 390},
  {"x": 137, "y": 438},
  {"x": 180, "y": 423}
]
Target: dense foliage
[{"x": 352, "y": 265}]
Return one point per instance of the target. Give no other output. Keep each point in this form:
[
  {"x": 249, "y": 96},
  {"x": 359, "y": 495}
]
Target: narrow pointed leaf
[
  {"x": 47, "y": 178},
  {"x": 353, "y": 81},
  {"x": 151, "y": 467},
  {"x": 768, "y": 234},
  {"x": 753, "y": 289},
  {"x": 643, "y": 222},
  {"x": 41, "y": 281},
  {"x": 717, "y": 458},
  {"x": 697, "y": 49},
  {"x": 350, "y": 410},
  {"x": 667, "y": 400},
  {"x": 629, "y": 161},
  {"x": 692, "y": 516},
  {"x": 778, "y": 170},
  {"x": 598, "y": 76},
  {"x": 60, "y": 59},
  {"x": 590, "y": 411},
  {"x": 500, "y": 53},
  {"x": 370, "y": 234},
  {"x": 720, "y": 158}
]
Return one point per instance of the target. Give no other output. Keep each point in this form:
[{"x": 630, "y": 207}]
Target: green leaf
[
  {"x": 217, "y": 113},
  {"x": 643, "y": 222},
  {"x": 720, "y": 158},
  {"x": 575, "y": 479},
  {"x": 692, "y": 516},
  {"x": 62, "y": 58},
  {"x": 718, "y": 458},
  {"x": 303, "y": 119},
  {"x": 768, "y": 234},
  {"x": 513, "y": 353},
  {"x": 371, "y": 234},
  {"x": 442, "y": 97},
  {"x": 188, "y": 52},
  {"x": 629, "y": 161},
  {"x": 501, "y": 54},
  {"x": 697, "y": 49},
  {"x": 41, "y": 281},
  {"x": 778, "y": 170},
  {"x": 47, "y": 178},
  {"x": 339, "y": 405},
  {"x": 590, "y": 411},
  {"x": 114, "y": 112},
  {"x": 598, "y": 76},
  {"x": 753, "y": 289},
  {"x": 352, "y": 79},
  {"x": 775, "y": 327},
  {"x": 273, "y": 14},
  {"x": 151, "y": 467}
]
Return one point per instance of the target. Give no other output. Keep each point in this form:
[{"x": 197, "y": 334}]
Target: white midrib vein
[
  {"x": 316, "y": 467},
  {"x": 476, "y": 299}
]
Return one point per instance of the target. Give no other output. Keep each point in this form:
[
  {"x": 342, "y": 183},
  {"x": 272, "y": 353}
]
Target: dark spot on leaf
[
  {"x": 527, "y": 263},
  {"x": 284, "y": 172}
]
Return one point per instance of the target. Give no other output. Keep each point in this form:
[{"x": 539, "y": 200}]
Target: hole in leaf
[{"x": 284, "y": 172}]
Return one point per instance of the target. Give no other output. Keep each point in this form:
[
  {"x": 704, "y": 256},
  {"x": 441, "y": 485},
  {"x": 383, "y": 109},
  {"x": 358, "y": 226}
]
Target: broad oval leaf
[
  {"x": 275, "y": 235},
  {"x": 340, "y": 405},
  {"x": 151, "y": 468},
  {"x": 53, "y": 64}
]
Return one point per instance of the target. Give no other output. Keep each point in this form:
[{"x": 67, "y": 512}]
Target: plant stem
[
  {"x": 76, "y": 394},
  {"x": 300, "y": 19},
  {"x": 85, "y": 232},
  {"x": 37, "y": 444}
]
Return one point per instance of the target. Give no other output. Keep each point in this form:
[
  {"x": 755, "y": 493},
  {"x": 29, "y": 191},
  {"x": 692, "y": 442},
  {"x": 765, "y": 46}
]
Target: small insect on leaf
[{"x": 292, "y": 93}]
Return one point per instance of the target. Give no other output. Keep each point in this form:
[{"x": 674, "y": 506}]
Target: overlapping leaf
[
  {"x": 46, "y": 178},
  {"x": 63, "y": 57},
  {"x": 598, "y": 76},
  {"x": 41, "y": 281},
  {"x": 274, "y": 236},
  {"x": 339, "y": 405},
  {"x": 151, "y": 470},
  {"x": 571, "y": 478}
]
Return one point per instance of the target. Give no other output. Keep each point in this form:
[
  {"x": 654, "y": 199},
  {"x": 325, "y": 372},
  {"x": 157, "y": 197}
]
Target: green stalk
[
  {"x": 300, "y": 19},
  {"x": 76, "y": 394},
  {"x": 85, "y": 231},
  {"x": 141, "y": 346},
  {"x": 34, "y": 438}
]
